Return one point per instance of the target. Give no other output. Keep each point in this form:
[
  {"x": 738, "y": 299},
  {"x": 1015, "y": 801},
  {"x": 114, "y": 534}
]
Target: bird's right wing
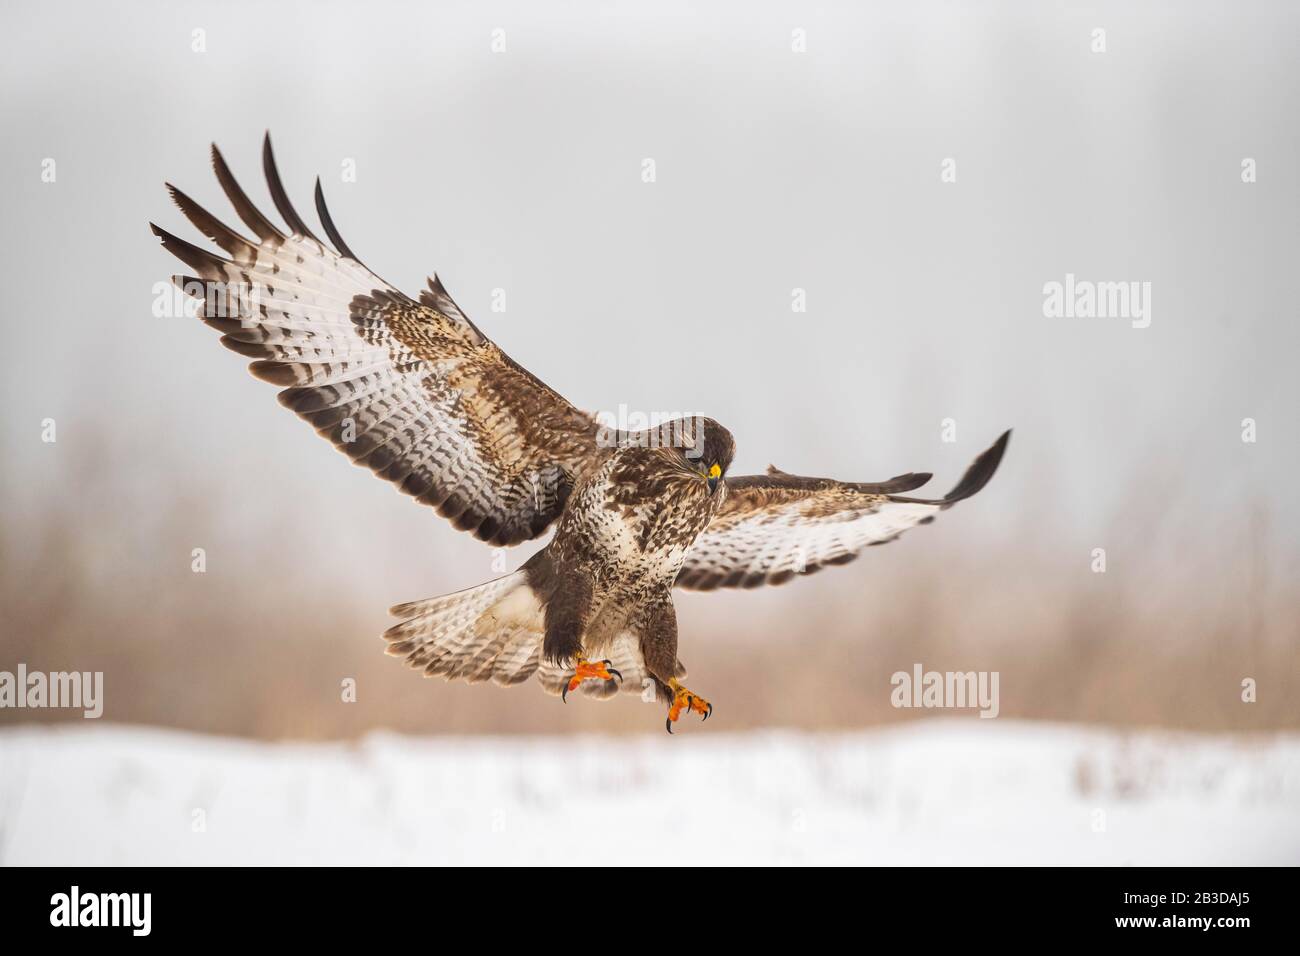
[{"x": 410, "y": 389}]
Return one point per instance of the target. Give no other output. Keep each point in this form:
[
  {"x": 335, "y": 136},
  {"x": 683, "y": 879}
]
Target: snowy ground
[{"x": 941, "y": 791}]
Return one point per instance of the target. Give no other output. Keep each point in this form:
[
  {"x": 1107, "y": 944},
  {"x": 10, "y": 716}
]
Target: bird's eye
[{"x": 714, "y": 471}]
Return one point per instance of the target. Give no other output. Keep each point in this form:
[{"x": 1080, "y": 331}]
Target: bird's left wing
[
  {"x": 410, "y": 389},
  {"x": 774, "y": 526}
]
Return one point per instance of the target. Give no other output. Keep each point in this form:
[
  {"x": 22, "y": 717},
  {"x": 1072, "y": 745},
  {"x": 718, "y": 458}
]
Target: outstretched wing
[
  {"x": 410, "y": 389},
  {"x": 774, "y": 526}
]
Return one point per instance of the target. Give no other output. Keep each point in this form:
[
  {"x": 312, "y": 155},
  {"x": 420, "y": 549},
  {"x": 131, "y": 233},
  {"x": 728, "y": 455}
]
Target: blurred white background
[{"x": 776, "y": 170}]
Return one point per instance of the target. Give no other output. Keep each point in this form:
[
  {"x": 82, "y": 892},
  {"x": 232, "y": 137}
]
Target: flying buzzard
[{"x": 413, "y": 390}]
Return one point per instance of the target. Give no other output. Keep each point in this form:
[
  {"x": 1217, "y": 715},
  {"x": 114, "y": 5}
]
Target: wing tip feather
[
  {"x": 253, "y": 218},
  {"x": 278, "y": 194},
  {"x": 327, "y": 221},
  {"x": 980, "y": 472}
]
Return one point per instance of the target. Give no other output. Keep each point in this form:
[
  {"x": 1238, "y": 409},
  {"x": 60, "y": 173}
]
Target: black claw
[
  {"x": 668, "y": 724},
  {"x": 564, "y": 691},
  {"x": 708, "y": 712},
  {"x": 616, "y": 673}
]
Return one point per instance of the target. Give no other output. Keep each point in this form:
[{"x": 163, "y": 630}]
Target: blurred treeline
[{"x": 95, "y": 574}]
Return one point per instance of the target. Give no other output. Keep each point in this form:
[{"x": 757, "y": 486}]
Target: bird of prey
[{"x": 413, "y": 390}]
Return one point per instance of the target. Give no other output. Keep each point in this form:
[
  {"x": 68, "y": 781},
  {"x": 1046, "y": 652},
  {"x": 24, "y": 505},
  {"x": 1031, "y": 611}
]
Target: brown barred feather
[
  {"x": 411, "y": 390},
  {"x": 773, "y": 527}
]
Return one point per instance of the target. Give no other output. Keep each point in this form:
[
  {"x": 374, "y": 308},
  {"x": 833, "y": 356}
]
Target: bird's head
[{"x": 706, "y": 448}]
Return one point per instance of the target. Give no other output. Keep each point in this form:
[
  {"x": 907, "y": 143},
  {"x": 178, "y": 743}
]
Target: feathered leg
[
  {"x": 657, "y": 625},
  {"x": 566, "y": 620}
]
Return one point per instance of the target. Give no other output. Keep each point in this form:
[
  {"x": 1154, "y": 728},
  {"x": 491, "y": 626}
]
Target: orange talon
[
  {"x": 684, "y": 699},
  {"x": 586, "y": 670}
]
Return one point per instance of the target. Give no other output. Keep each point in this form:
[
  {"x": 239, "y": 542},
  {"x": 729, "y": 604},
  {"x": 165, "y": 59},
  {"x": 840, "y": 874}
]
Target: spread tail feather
[{"x": 491, "y": 631}]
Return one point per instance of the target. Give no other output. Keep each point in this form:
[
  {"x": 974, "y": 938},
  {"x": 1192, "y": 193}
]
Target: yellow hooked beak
[{"x": 714, "y": 473}]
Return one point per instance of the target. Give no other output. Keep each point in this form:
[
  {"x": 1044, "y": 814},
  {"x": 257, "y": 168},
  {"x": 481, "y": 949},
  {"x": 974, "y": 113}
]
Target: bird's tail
[{"x": 491, "y": 631}]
